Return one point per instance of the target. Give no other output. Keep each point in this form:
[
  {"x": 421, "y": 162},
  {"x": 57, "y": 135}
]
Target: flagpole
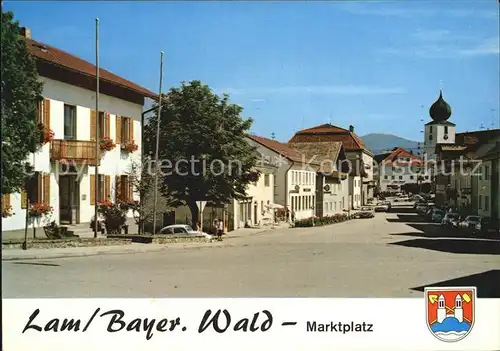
[
  {"x": 157, "y": 146},
  {"x": 96, "y": 187}
]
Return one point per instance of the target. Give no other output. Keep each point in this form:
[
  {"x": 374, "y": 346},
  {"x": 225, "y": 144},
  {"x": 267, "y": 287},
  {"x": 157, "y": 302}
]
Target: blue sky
[{"x": 292, "y": 65}]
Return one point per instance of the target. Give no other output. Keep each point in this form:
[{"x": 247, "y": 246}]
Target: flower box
[
  {"x": 130, "y": 146},
  {"x": 107, "y": 144},
  {"x": 46, "y": 134},
  {"x": 7, "y": 211},
  {"x": 39, "y": 210}
]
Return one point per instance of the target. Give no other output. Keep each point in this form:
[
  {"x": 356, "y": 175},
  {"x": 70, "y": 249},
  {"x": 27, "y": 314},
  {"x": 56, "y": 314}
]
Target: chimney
[
  {"x": 351, "y": 128},
  {"x": 26, "y": 32}
]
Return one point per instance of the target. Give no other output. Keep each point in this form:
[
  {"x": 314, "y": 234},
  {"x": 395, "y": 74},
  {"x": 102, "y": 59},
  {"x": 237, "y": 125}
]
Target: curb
[
  {"x": 126, "y": 252},
  {"x": 71, "y": 255},
  {"x": 105, "y": 253}
]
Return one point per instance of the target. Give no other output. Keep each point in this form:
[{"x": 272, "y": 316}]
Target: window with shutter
[
  {"x": 125, "y": 130},
  {"x": 46, "y": 112},
  {"x": 107, "y": 188},
  {"x": 131, "y": 130},
  {"x": 118, "y": 126},
  {"x": 107, "y": 128},
  {"x": 101, "y": 120},
  {"x": 46, "y": 188},
  {"x": 124, "y": 188},
  {"x": 93, "y": 122},
  {"x": 130, "y": 190},
  {"x": 34, "y": 190}
]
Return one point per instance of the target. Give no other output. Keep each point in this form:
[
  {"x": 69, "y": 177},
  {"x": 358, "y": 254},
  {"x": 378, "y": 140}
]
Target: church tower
[{"x": 439, "y": 130}]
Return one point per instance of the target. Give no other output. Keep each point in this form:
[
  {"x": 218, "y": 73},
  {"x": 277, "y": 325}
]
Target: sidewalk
[{"x": 45, "y": 254}]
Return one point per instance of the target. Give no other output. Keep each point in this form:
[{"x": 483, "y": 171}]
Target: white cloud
[
  {"x": 489, "y": 46},
  {"x": 395, "y": 10},
  {"x": 437, "y": 49},
  {"x": 316, "y": 90}
]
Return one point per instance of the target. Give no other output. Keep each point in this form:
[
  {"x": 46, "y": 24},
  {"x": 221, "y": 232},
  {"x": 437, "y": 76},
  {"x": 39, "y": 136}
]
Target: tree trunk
[{"x": 194, "y": 213}]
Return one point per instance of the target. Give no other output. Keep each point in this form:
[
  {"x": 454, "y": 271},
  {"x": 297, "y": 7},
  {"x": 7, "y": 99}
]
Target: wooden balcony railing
[{"x": 79, "y": 151}]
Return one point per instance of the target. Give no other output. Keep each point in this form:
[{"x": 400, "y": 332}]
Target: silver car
[
  {"x": 470, "y": 222},
  {"x": 450, "y": 220},
  {"x": 182, "y": 229}
]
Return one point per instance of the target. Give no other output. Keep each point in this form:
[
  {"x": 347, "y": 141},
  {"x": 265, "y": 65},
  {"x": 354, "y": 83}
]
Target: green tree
[
  {"x": 204, "y": 154},
  {"x": 21, "y": 92}
]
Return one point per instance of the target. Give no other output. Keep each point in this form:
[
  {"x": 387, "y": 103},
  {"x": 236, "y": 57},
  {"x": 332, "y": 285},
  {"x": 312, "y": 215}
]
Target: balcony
[{"x": 78, "y": 151}]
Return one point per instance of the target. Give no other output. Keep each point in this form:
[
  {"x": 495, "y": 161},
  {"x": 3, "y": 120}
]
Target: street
[{"x": 391, "y": 255}]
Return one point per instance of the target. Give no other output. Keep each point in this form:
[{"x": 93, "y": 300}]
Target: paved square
[{"x": 391, "y": 255}]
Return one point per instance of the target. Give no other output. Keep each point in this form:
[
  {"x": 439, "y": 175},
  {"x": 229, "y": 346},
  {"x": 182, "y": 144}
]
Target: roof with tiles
[
  {"x": 63, "y": 59},
  {"x": 329, "y": 132},
  {"x": 397, "y": 153},
  {"x": 280, "y": 148},
  {"x": 324, "y": 153}
]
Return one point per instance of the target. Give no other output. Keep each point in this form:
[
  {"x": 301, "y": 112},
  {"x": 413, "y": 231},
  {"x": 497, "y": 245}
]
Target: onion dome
[{"x": 440, "y": 111}]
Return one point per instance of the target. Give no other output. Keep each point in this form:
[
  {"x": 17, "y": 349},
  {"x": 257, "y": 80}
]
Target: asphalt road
[{"x": 391, "y": 255}]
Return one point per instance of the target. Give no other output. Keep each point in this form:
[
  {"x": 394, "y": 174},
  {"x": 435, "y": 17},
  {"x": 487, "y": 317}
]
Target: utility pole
[
  {"x": 96, "y": 195},
  {"x": 157, "y": 146}
]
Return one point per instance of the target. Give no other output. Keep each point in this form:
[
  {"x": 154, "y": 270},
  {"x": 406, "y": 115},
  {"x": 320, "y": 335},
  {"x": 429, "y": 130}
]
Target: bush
[
  {"x": 321, "y": 221},
  {"x": 114, "y": 216}
]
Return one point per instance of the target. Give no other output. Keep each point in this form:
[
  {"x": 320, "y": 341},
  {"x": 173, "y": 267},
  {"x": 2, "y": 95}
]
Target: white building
[
  {"x": 65, "y": 166},
  {"x": 257, "y": 209},
  {"x": 332, "y": 179},
  {"x": 295, "y": 180},
  {"x": 401, "y": 167},
  {"x": 361, "y": 182}
]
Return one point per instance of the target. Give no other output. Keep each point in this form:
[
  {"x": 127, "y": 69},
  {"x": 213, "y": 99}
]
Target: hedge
[{"x": 336, "y": 218}]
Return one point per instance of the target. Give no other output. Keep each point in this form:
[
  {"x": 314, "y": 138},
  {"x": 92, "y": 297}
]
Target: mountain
[{"x": 379, "y": 143}]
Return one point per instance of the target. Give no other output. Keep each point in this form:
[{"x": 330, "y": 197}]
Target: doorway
[{"x": 69, "y": 199}]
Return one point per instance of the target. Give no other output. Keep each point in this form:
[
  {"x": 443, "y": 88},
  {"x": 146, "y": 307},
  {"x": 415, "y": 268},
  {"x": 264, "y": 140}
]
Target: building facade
[
  {"x": 295, "y": 178},
  {"x": 399, "y": 168},
  {"x": 257, "y": 209},
  {"x": 361, "y": 182},
  {"x": 332, "y": 182},
  {"x": 467, "y": 165},
  {"x": 65, "y": 166}
]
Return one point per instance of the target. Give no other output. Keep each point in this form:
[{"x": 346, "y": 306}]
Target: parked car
[
  {"x": 382, "y": 207},
  {"x": 470, "y": 222},
  {"x": 437, "y": 215},
  {"x": 421, "y": 208},
  {"x": 417, "y": 198},
  {"x": 183, "y": 229},
  {"x": 487, "y": 225},
  {"x": 450, "y": 219},
  {"x": 366, "y": 212}
]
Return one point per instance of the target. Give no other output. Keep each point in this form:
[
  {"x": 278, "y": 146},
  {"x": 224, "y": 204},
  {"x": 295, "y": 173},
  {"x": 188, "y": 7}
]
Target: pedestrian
[
  {"x": 215, "y": 226},
  {"x": 220, "y": 230}
]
